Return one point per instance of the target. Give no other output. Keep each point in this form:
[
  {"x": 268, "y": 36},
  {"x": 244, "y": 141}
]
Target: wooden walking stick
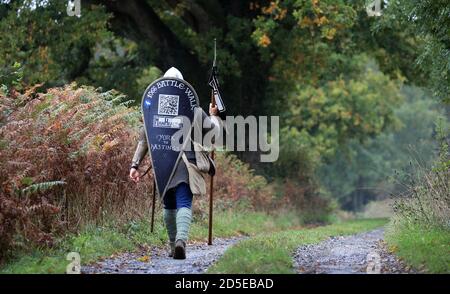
[
  {"x": 153, "y": 206},
  {"x": 153, "y": 200}
]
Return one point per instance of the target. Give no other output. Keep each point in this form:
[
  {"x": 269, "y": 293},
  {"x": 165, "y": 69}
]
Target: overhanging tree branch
[{"x": 138, "y": 20}]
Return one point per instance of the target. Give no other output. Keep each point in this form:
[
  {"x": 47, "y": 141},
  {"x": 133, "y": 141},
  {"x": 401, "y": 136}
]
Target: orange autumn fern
[{"x": 79, "y": 136}]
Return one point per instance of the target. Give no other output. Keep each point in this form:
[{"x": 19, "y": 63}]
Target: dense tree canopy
[
  {"x": 429, "y": 19},
  {"x": 331, "y": 72},
  {"x": 52, "y": 47},
  {"x": 361, "y": 171},
  {"x": 275, "y": 45}
]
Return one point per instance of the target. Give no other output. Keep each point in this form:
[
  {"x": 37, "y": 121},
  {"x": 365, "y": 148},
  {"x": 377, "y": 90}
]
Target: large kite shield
[{"x": 168, "y": 104}]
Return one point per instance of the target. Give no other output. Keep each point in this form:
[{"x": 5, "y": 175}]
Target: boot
[
  {"x": 170, "y": 219},
  {"x": 180, "y": 250}
]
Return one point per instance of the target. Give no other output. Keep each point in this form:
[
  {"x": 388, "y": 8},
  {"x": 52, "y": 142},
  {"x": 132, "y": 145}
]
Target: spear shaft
[
  {"x": 211, "y": 187},
  {"x": 211, "y": 183}
]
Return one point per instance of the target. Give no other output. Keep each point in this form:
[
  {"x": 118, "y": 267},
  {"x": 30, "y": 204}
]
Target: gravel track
[
  {"x": 155, "y": 260},
  {"x": 349, "y": 255},
  {"x": 337, "y": 255}
]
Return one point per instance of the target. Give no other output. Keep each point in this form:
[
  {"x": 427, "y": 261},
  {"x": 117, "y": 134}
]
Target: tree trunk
[{"x": 137, "y": 20}]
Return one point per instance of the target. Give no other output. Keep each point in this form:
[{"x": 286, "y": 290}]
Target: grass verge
[
  {"x": 94, "y": 243},
  {"x": 423, "y": 248},
  {"x": 271, "y": 253}
]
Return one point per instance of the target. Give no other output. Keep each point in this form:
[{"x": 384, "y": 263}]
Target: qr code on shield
[{"x": 168, "y": 104}]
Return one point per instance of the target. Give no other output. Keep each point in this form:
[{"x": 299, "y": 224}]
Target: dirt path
[
  {"x": 199, "y": 258},
  {"x": 337, "y": 255},
  {"x": 349, "y": 255}
]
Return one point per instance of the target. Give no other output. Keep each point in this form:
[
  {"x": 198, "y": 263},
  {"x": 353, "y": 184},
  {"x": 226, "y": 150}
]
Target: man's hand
[
  {"x": 135, "y": 176},
  {"x": 213, "y": 110}
]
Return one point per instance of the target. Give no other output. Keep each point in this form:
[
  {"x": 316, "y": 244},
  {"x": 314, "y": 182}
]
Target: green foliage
[
  {"x": 420, "y": 230},
  {"x": 318, "y": 121},
  {"x": 302, "y": 54},
  {"x": 329, "y": 79},
  {"x": 443, "y": 130},
  {"x": 235, "y": 222},
  {"x": 297, "y": 157},
  {"x": 424, "y": 248},
  {"x": 40, "y": 187},
  {"x": 361, "y": 171},
  {"x": 430, "y": 21},
  {"x": 300, "y": 36},
  {"x": 426, "y": 198},
  {"x": 344, "y": 109},
  {"x": 118, "y": 63},
  {"x": 53, "y": 47},
  {"x": 11, "y": 77},
  {"x": 147, "y": 76},
  {"x": 274, "y": 45}
]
